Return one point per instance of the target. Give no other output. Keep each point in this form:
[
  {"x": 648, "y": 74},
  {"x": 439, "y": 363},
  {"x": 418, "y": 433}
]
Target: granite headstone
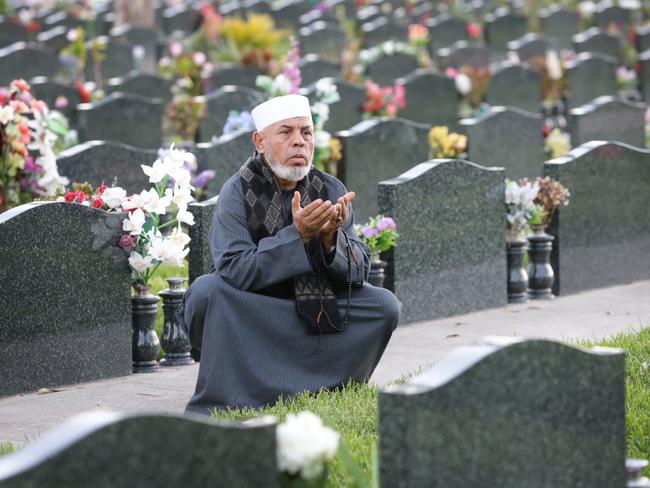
[
  {"x": 508, "y": 412},
  {"x": 450, "y": 259},
  {"x": 381, "y": 30},
  {"x": 181, "y": 18},
  {"x": 430, "y": 98},
  {"x": 200, "y": 255},
  {"x": 445, "y": 30},
  {"x": 143, "y": 84},
  {"x": 60, "y": 324},
  {"x": 232, "y": 74},
  {"x": 111, "y": 450},
  {"x": 387, "y": 69},
  {"x": 325, "y": 40},
  {"x": 106, "y": 162},
  {"x": 515, "y": 85},
  {"x": 559, "y": 24},
  {"x": 644, "y": 75},
  {"x": 54, "y": 39},
  {"x": 642, "y": 40},
  {"x": 48, "y": 90},
  {"x": 220, "y": 103},
  {"x": 375, "y": 150},
  {"x": 313, "y": 68},
  {"x": 608, "y": 119},
  {"x": 462, "y": 53},
  {"x": 507, "y": 137},
  {"x": 118, "y": 62},
  {"x": 608, "y": 13},
  {"x": 601, "y": 237},
  {"x": 347, "y": 111},
  {"x": 503, "y": 26},
  {"x": 122, "y": 117},
  {"x": 529, "y": 46},
  {"x": 589, "y": 76},
  {"x": 596, "y": 41},
  {"x": 26, "y": 60}
]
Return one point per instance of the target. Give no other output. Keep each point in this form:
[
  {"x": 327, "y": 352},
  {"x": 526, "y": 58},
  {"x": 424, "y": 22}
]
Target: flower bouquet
[
  {"x": 379, "y": 234},
  {"x": 27, "y": 138},
  {"x": 550, "y": 195},
  {"x": 447, "y": 145},
  {"x": 383, "y": 101},
  {"x": 520, "y": 203},
  {"x": 471, "y": 85}
]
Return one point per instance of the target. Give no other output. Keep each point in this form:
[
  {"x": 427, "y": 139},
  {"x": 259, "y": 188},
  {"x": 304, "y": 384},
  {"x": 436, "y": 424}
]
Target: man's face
[{"x": 288, "y": 146}]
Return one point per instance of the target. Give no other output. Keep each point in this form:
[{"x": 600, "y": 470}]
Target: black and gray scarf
[{"x": 315, "y": 299}]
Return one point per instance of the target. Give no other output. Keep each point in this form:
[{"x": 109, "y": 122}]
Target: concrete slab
[{"x": 589, "y": 315}]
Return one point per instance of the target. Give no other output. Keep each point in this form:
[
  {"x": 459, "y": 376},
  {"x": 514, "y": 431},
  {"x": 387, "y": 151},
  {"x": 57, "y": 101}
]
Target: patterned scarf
[{"x": 315, "y": 299}]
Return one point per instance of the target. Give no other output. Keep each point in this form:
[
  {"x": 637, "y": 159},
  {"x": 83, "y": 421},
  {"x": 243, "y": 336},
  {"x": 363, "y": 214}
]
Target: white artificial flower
[
  {"x": 180, "y": 196},
  {"x": 327, "y": 91},
  {"x": 365, "y": 56},
  {"x": 463, "y": 83},
  {"x": 179, "y": 238},
  {"x": 153, "y": 203},
  {"x": 182, "y": 177},
  {"x": 322, "y": 139},
  {"x": 185, "y": 217},
  {"x": 513, "y": 57},
  {"x": 168, "y": 251},
  {"x": 134, "y": 222},
  {"x": 156, "y": 172},
  {"x": 304, "y": 444},
  {"x": 113, "y": 197},
  {"x": 586, "y": 9},
  {"x": 6, "y": 114},
  {"x": 389, "y": 48},
  {"x": 553, "y": 65},
  {"x": 50, "y": 180},
  {"x": 60, "y": 199},
  {"x": 133, "y": 202},
  {"x": 72, "y": 35},
  {"x": 630, "y": 4},
  {"x": 139, "y": 263},
  {"x": 281, "y": 84}
]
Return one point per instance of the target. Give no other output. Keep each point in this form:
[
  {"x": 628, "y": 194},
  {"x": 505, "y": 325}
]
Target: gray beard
[{"x": 288, "y": 172}]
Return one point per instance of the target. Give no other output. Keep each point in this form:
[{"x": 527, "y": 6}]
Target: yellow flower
[{"x": 335, "y": 149}]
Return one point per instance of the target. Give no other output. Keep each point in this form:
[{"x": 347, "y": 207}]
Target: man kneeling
[{"x": 287, "y": 308}]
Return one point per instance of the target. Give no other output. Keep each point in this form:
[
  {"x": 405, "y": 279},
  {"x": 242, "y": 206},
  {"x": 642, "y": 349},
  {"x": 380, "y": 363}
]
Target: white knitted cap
[{"x": 280, "y": 108}]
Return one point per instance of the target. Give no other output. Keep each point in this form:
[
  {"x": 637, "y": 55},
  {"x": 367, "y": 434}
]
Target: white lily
[
  {"x": 156, "y": 172},
  {"x": 179, "y": 238},
  {"x": 168, "y": 251},
  {"x": 134, "y": 223},
  {"x": 140, "y": 263},
  {"x": 153, "y": 203},
  {"x": 180, "y": 196},
  {"x": 185, "y": 217}
]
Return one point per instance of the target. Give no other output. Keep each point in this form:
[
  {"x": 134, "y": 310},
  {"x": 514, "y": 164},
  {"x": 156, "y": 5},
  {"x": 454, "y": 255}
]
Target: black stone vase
[
  {"x": 174, "y": 340},
  {"x": 377, "y": 275},
  {"x": 145, "y": 343},
  {"x": 517, "y": 275},
  {"x": 540, "y": 272}
]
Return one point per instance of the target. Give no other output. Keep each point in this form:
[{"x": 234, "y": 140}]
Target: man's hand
[
  {"x": 328, "y": 230},
  {"x": 310, "y": 220}
]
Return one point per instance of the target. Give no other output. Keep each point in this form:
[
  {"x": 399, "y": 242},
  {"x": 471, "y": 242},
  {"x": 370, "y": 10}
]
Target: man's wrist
[{"x": 329, "y": 242}]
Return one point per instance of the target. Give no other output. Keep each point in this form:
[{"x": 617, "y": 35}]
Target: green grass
[
  {"x": 6, "y": 448},
  {"x": 159, "y": 284}
]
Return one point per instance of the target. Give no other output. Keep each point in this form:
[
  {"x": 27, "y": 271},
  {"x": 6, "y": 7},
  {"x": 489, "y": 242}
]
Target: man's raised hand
[{"x": 310, "y": 220}]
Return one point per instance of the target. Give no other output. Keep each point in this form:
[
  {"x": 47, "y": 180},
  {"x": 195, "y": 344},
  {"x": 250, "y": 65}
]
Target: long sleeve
[{"x": 236, "y": 257}]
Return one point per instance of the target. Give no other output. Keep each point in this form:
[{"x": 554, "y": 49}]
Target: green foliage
[
  {"x": 159, "y": 284},
  {"x": 537, "y": 215},
  {"x": 6, "y": 448},
  {"x": 351, "y": 410},
  {"x": 379, "y": 234}
]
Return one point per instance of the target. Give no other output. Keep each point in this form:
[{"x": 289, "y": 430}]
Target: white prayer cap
[{"x": 280, "y": 108}]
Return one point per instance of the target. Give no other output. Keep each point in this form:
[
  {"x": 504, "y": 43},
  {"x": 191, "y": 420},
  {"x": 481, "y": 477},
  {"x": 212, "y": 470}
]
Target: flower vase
[
  {"x": 296, "y": 481},
  {"x": 540, "y": 272},
  {"x": 376, "y": 275},
  {"x": 145, "y": 343},
  {"x": 174, "y": 340},
  {"x": 517, "y": 275}
]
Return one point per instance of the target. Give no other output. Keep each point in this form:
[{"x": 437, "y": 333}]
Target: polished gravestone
[
  {"x": 143, "y": 84},
  {"x": 515, "y": 85},
  {"x": 119, "y": 60},
  {"x": 54, "y": 39},
  {"x": 138, "y": 36},
  {"x": 224, "y": 156},
  {"x": 608, "y": 119},
  {"x": 347, "y": 111},
  {"x": 62, "y": 19},
  {"x": 105, "y": 163},
  {"x": 507, "y": 137},
  {"x": 430, "y": 98},
  {"x": 602, "y": 237},
  {"x": 375, "y": 150},
  {"x": 644, "y": 74},
  {"x": 462, "y": 53},
  {"x": 286, "y": 13},
  {"x": 450, "y": 258},
  {"x": 66, "y": 316},
  {"x": 232, "y": 74},
  {"x": 381, "y": 30},
  {"x": 26, "y": 60},
  {"x": 596, "y": 41},
  {"x": 200, "y": 256},
  {"x": 608, "y": 13},
  {"x": 589, "y": 76},
  {"x": 11, "y": 32},
  {"x": 220, "y": 103},
  {"x": 530, "y": 46},
  {"x": 49, "y": 90},
  {"x": 122, "y": 117},
  {"x": 445, "y": 30},
  {"x": 559, "y": 24},
  {"x": 313, "y": 68},
  {"x": 642, "y": 38},
  {"x": 326, "y": 40},
  {"x": 113, "y": 450},
  {"x": 181, "y": 18},
  {"x": 503, "y": 26},
  {"x": 387, "y": 69},
  {"x": 508, "y": 413}
]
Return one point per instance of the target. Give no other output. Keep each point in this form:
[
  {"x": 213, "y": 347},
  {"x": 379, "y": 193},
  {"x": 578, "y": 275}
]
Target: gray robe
[{"x": 255, "y": 347}]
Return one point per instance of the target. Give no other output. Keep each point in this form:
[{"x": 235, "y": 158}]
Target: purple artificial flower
[
  {"x": 292, "y": 67},
  {"x": 61, "y": 102},
  {"x": 238, "y": 121},
  {"x": 369, "y": 232},
  {"x": 203, "y": 177},
  {"x": 385, "y": 223},
  {"x": 127, "y": 241}
]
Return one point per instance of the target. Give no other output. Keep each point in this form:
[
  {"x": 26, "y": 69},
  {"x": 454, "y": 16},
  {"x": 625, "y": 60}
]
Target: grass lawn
[{"x": 159, "y": 284}]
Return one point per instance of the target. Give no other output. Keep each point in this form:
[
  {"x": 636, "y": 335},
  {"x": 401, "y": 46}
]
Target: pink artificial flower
[
  {"x": 127, "y": 242},
  {"x": 474, "y": 30},
  {"x": 391, "y": 109},
  {"x": 175, "y": 49},
  {"x": 20, "y": 85},
  {"x": 61, "y": 102},
  {"x": 451, "y": 72},
  {"x": 199, "y": 58}
]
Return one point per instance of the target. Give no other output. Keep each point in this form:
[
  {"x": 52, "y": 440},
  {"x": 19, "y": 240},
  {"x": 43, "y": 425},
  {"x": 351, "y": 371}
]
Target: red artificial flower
[
  {"x": 127, "y": 241},
  {"x": 23, "y": 128},
  {"x": 102, "y": 189},
  {"x": 474, "y": 30},
  {"x": 547, "y": 130},
  {"x": 84, "y": 93},
  {"x": 33, "y": 26},
  {"x": 69, "y": 197},
  {"x": 81, "y": 196},
  {"x": 38, "y": 105},
  {"x": 98, "y": 202},
  {"x": 20, "y": 85}
]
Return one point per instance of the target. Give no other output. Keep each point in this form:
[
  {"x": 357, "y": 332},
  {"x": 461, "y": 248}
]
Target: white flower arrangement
[
  {"x": 520, "y": 204},
  {"x": 304, "y": 445},
  {"x": 388, "y": 48}
]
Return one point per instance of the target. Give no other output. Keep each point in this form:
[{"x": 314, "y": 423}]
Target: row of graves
[{"x": 430, "y": 111}]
